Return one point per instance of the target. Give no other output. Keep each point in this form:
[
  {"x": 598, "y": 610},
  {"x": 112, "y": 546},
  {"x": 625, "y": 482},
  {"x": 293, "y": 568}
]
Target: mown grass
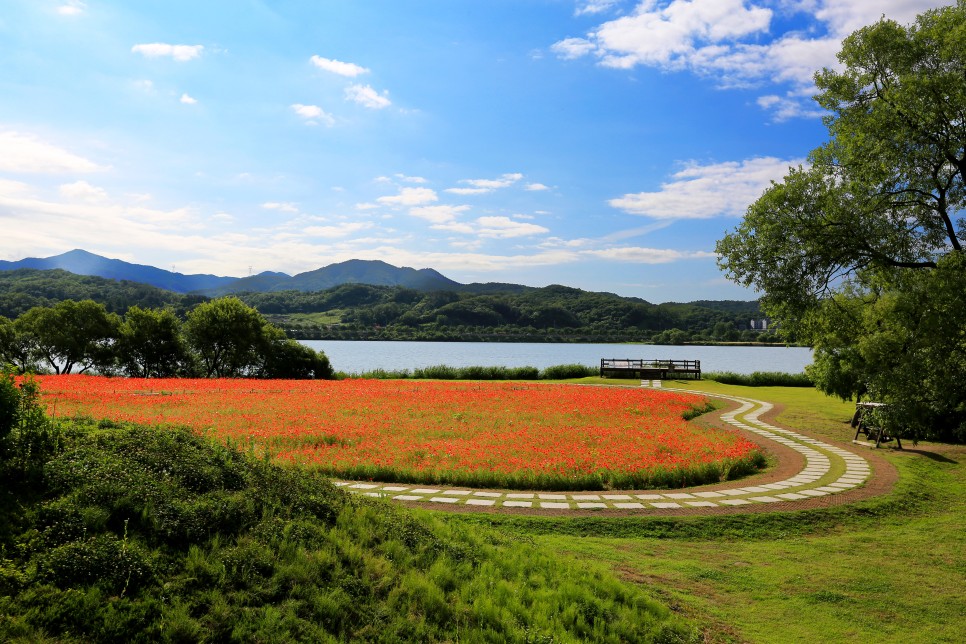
[{"x": 888, "y": 569}]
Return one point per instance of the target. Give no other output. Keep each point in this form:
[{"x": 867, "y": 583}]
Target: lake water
[{"x": 361, "y": 355}]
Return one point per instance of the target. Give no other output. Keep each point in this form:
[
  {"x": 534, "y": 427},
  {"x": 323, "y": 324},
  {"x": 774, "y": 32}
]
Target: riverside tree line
[{"x": 223, "y": 338}]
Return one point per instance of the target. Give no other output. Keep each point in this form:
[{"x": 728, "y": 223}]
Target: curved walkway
[{"x": 828, "y": 470}]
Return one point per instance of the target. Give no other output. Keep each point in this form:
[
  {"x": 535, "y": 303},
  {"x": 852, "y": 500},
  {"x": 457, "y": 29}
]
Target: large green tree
[
  {"x": 860, "y": 253},
  {"x": 226, "y": 334},
  {"x": 70, "y": 335},
  {"x": 233, "y": 340},
  {"x": 151, "y": 345}
]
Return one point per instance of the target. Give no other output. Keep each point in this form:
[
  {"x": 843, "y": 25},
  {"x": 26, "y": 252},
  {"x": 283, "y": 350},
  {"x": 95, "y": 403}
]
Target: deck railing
[{"x": 683, "y": 369}]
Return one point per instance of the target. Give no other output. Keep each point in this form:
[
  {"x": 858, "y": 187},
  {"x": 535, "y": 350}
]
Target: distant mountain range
[
  {"x": 80, "y": 262},
  {"x": 354, "y": 271}
]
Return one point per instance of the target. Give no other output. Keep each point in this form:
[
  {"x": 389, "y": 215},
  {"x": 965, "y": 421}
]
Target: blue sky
[{"x": 599, "y": 144}]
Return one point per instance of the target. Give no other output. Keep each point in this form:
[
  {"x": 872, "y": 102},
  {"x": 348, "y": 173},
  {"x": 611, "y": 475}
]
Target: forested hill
[
  {"x": 25, "y": 288},
  {"x": 554, "y": 313},
  {"x": 361, "y": 311}
]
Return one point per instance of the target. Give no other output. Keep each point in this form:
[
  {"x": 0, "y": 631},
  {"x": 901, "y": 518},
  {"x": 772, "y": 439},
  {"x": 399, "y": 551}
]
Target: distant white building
[{"x": 759, "y": 325}]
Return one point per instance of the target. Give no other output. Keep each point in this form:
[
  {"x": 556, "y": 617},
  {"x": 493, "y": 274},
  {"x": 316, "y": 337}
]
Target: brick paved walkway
[{"x": 827, "y": 470}]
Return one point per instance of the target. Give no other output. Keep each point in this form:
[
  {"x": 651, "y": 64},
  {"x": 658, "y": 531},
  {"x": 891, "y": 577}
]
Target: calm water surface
[{"x": 358, "y": 356}]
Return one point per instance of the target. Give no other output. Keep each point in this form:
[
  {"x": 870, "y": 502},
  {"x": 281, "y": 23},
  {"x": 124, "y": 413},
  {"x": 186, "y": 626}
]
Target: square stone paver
[
  {"x": 491, "y": 495},
  {"x": 394, "y": 488},
  {"x": 701, "y": 504},
  {"x": 765, "y": 499},
  {"x": 518, "y": 504},
  {"x": 425, "y": 491},
  {"x": 555, "y": 505},
  {"x": 444, "y": 499},
  {"x": 629, "y": 506},
  {"x": 457, "y": 492},
  {"x": 519, "y": 496},
  {"x": 552, "y": 496},
  {"x": 407, "y": 497},
  {"x": 480, "y": 502},
  {"x": 586, "y": 497},
  {"x": 735, "y": 502},
  {"x": 666, "y": 505},
  {"x": 591, "y": 505}
]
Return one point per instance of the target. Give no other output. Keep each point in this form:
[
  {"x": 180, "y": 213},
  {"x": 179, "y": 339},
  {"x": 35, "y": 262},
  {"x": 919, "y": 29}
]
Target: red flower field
[{"x": 484, "y": 434}]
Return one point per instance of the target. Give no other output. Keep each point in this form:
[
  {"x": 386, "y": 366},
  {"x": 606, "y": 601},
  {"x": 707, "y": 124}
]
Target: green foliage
[
  {"x": 860, "y": 254},
  {"x": 760, "y": 379},
  {"x": 70, "y": 334},
  {"x": 445, "y": 372},
  {"x": 566, "y": 371},
  {"x": 27, "y": 437},
  {"x": 554, "y": 313},
  {"x": 225, "y": 334},
  {"x": 139, "y": 534},
  {"x": 151, "y": 345},
  {"x": 23, "y": 289}
]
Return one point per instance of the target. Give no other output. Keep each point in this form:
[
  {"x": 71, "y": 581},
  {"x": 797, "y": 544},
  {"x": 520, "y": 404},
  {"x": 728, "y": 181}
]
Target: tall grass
[
  {"x": 446, "y": 372},
  {"x": 142, "y": 534},
  {"x": 760, "y": 379}
]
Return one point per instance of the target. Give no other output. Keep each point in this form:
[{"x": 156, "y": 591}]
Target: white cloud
[
  {"x": 593, "y": 6},
  {"x": 313, "y": 114},
  {"x": 732, "y": 41},
  {"x": 788, "y": 107},
  {"x": 504, "y": 227},
  {"x": 536, "y": 187},
  {"x": 72, "y": 8},
  {"x": 482, "y": 186},
  {"x": 180, "y": 53},
  {"x": 571, "y": 48},
  {"x": 350, "y": 70},
  {"x": 639, "y": 255},
  {"x": 467, "y": 191},
  {"x": 26, "y": 153},
  {"x": 418, "y": 180},
  {"x": 188, "y": 100},
  {"x": 410, "y": 197},
  {"x": 331, "y": 232},
  {"x": 438, "y": 214},
  {"x": 282, "y": 206},
  {"x": 367, "y": 97},
  {"x": 82, "y": 191},
  {"x": 702, "y": 192}
]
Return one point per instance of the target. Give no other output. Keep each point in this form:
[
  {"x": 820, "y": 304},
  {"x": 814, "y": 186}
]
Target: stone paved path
[{"x": 828, "y": 470}]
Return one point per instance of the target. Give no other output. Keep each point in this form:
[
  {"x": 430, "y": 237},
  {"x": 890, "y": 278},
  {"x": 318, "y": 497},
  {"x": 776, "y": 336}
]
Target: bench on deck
[{"x": 650, "y": 369}]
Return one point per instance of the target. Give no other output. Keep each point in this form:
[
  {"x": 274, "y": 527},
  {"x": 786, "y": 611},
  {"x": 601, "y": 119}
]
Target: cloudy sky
[{"x": 601, "y": 144}]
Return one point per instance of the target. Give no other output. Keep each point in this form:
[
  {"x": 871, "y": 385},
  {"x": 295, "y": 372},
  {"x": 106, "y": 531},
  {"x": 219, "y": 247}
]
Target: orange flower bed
[{"x": 484, "y": 434}]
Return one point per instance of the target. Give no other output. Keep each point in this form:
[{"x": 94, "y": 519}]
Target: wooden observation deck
[{"x": 650, "y": 369}]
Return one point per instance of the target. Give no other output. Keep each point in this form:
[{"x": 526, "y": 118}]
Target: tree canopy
[{"x": 860, "y": 252}]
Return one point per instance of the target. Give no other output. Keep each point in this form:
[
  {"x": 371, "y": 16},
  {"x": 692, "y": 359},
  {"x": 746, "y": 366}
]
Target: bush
[
  {"x": 565, "y": 371},
  {"x": 760, "y": 379}
]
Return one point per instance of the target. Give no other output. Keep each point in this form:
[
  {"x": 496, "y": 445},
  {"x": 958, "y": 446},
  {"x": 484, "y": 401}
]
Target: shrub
[
  {"x": 760, "y": 379},
  {"x": 565, "y": 371}
]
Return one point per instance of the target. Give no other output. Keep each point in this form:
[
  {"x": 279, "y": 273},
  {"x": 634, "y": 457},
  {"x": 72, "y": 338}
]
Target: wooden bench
[{"x": 864, "y": 422}]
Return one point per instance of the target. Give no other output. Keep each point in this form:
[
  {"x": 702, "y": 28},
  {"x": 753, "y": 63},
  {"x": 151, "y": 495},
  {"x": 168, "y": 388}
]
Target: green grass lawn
[{"x": 890, "y": 569}]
